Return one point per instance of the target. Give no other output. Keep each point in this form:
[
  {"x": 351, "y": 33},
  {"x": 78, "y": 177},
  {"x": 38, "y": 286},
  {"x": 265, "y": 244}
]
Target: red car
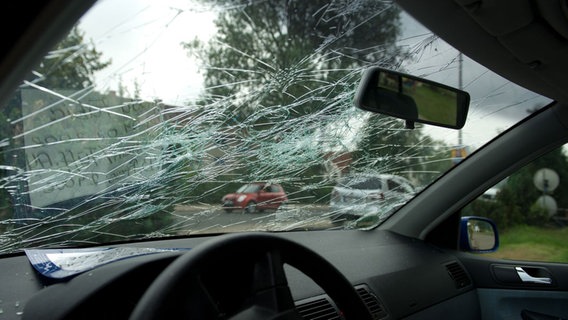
[{"x": 255, "y": 196}]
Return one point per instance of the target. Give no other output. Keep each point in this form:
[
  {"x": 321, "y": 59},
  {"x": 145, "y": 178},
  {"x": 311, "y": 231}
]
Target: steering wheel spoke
[
  {"x": 196, "y": 294},
  {"x": 270, "y": 288}
]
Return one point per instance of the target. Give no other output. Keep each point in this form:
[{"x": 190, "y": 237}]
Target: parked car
[
  {"x": 358, "y": 195},
  {"x": 100, "y": 221},
  {"x": 255, "y": 196}
]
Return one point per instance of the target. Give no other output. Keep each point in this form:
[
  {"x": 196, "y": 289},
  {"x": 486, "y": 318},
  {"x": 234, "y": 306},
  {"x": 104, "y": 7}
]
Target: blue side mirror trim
[{"x": 478, "y": 235}]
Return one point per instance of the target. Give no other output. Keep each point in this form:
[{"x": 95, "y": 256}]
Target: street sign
[{"x": 546, "y": 180}]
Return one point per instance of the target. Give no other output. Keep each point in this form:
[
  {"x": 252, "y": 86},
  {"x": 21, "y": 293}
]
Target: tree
[
  {"x": 520, "y": 192},
  {"x": 273, "y": 53},
  {"x": 516, "y": 202},
  {"x": 71, "y": 64}
]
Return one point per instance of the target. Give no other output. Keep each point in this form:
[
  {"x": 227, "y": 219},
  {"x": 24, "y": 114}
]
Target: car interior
[{"x": 413, "y": 264}]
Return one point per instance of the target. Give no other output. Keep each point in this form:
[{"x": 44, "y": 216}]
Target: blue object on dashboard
[{"x": 62, "y": 263}]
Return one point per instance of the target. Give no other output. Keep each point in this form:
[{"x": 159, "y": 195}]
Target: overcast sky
[{"x": 154, "y": 32}]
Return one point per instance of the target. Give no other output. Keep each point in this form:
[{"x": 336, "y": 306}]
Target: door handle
[{"x": 527, "y": 278}]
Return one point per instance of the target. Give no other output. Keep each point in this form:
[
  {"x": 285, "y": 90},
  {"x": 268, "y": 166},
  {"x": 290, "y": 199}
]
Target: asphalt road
[{"x": 192, "y": 219}]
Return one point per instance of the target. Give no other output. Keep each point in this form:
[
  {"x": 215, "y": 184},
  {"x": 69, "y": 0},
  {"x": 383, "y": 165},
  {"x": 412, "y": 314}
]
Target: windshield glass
[
  {"x": 142, "y": 120},
  {"x": 368, "y": 183}
]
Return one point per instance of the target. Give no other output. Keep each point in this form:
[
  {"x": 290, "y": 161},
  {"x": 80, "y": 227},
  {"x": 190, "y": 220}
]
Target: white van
[{"x": 362, "y": 194}]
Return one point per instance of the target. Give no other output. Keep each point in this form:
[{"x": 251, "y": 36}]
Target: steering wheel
[{"x": 241, "y": 276}]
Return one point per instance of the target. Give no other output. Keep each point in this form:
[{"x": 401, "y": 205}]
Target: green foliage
[
  {"x": 284, "y": 55},
  {"x": 71, "y": 64},
  {"x": 515, "y": 204},
  {"x": 312, "y": 188},
  {"x": 503, "y": 216},
  {"x": 533, "y": 244},
  {"x": 435, "y": 104},
  {"x": 521, "y": 186},
  {"x": 6, "y": 209},
  {"x": 507, "y": 215}
]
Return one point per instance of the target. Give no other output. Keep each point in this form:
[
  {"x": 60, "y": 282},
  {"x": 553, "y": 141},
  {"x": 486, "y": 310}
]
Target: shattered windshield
[
  {"x": 144, "y": 119},
  {"x": 361, "y": 183}
]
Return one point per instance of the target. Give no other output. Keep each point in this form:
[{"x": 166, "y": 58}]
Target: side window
[
  {"x": 375, "y": 184},
  {"x": 393, "y": 185},
  {"x": 401, "y": 186},
  {"x": 530, "y": 208}
]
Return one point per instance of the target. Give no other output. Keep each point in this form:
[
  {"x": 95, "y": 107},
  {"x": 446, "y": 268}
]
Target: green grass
[
  {"x": 533, "y": 244},
  {"x": 435, "y": 106}
]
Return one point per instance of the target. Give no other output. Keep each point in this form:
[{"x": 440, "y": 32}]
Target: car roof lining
[{"x": 526, "y": 43}]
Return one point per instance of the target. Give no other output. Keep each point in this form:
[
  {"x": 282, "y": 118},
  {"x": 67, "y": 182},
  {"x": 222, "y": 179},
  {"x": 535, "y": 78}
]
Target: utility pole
[
  {"x": 460, "y": 86},
  {"x": 459, "y": 151}
]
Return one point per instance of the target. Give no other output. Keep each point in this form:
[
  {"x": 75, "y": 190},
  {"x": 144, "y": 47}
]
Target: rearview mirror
[{"x": 412, "y": 99}]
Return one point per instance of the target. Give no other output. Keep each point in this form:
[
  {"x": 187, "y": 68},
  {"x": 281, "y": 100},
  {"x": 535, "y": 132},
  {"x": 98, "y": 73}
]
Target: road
[{"x": 192, "y": 219}]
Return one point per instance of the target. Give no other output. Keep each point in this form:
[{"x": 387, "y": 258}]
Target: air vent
[
  {"x": 372, "y": 303},
  {"x": 458, "y": 274},
  {"x": 321, "y": 308},
  {"x": 317, "y": 309}
]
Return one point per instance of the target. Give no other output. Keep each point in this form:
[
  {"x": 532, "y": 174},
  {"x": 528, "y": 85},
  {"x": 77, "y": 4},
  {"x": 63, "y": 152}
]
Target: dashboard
[{"x": 396, "y": 276}]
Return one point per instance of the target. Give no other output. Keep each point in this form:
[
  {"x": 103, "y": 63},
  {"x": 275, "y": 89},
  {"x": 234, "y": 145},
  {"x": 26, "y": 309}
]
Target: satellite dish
[
  {"x": 546, "y": 180},
  {"x": 547, "y": 202}
]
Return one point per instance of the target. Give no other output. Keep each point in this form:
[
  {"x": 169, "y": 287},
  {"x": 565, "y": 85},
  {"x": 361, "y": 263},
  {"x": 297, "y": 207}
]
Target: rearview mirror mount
[{"x": 412, "y": 98}]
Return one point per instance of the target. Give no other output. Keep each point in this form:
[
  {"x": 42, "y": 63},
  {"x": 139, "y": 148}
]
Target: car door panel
[
  {"x": 505, "y": 292},
  {"x": 510, "y": 303}
]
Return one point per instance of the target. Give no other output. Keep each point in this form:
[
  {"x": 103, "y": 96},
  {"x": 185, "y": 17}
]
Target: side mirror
[
  {"x": 412, "y": 99},
  {"x": 478, "y": 235}
]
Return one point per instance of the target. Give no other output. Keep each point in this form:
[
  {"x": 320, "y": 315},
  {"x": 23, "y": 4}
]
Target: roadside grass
[
  {"x": 533, "y": 244},
  {"x": 435, "y": 106}
]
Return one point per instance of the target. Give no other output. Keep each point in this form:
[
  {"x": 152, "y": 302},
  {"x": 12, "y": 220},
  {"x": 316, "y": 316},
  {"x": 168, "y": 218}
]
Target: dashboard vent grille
[
  {"x": 458, "y": 274},
  {"x": 319, "y": 309},
  {"x": 372, "y": 303}
]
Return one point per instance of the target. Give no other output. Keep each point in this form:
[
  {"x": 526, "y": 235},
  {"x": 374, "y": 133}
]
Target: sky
[{"x": 176, "y": 80}]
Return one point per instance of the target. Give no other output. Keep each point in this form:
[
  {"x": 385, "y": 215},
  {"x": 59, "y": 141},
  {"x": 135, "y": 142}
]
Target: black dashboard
[{"x": 397, "y": 277}]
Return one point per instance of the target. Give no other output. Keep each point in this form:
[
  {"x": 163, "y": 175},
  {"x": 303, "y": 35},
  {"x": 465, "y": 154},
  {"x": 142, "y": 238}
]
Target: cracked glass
[{"x": 176, "y": 118}]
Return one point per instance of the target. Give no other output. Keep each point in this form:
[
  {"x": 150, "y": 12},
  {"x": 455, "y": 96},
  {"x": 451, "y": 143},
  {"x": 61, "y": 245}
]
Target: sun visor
[
  {"x": 499, "y": 17},
  {"x": 535, "y": 34},
  {"x": 556, "y": 14},
  {"x": 537, "y": 45}
]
